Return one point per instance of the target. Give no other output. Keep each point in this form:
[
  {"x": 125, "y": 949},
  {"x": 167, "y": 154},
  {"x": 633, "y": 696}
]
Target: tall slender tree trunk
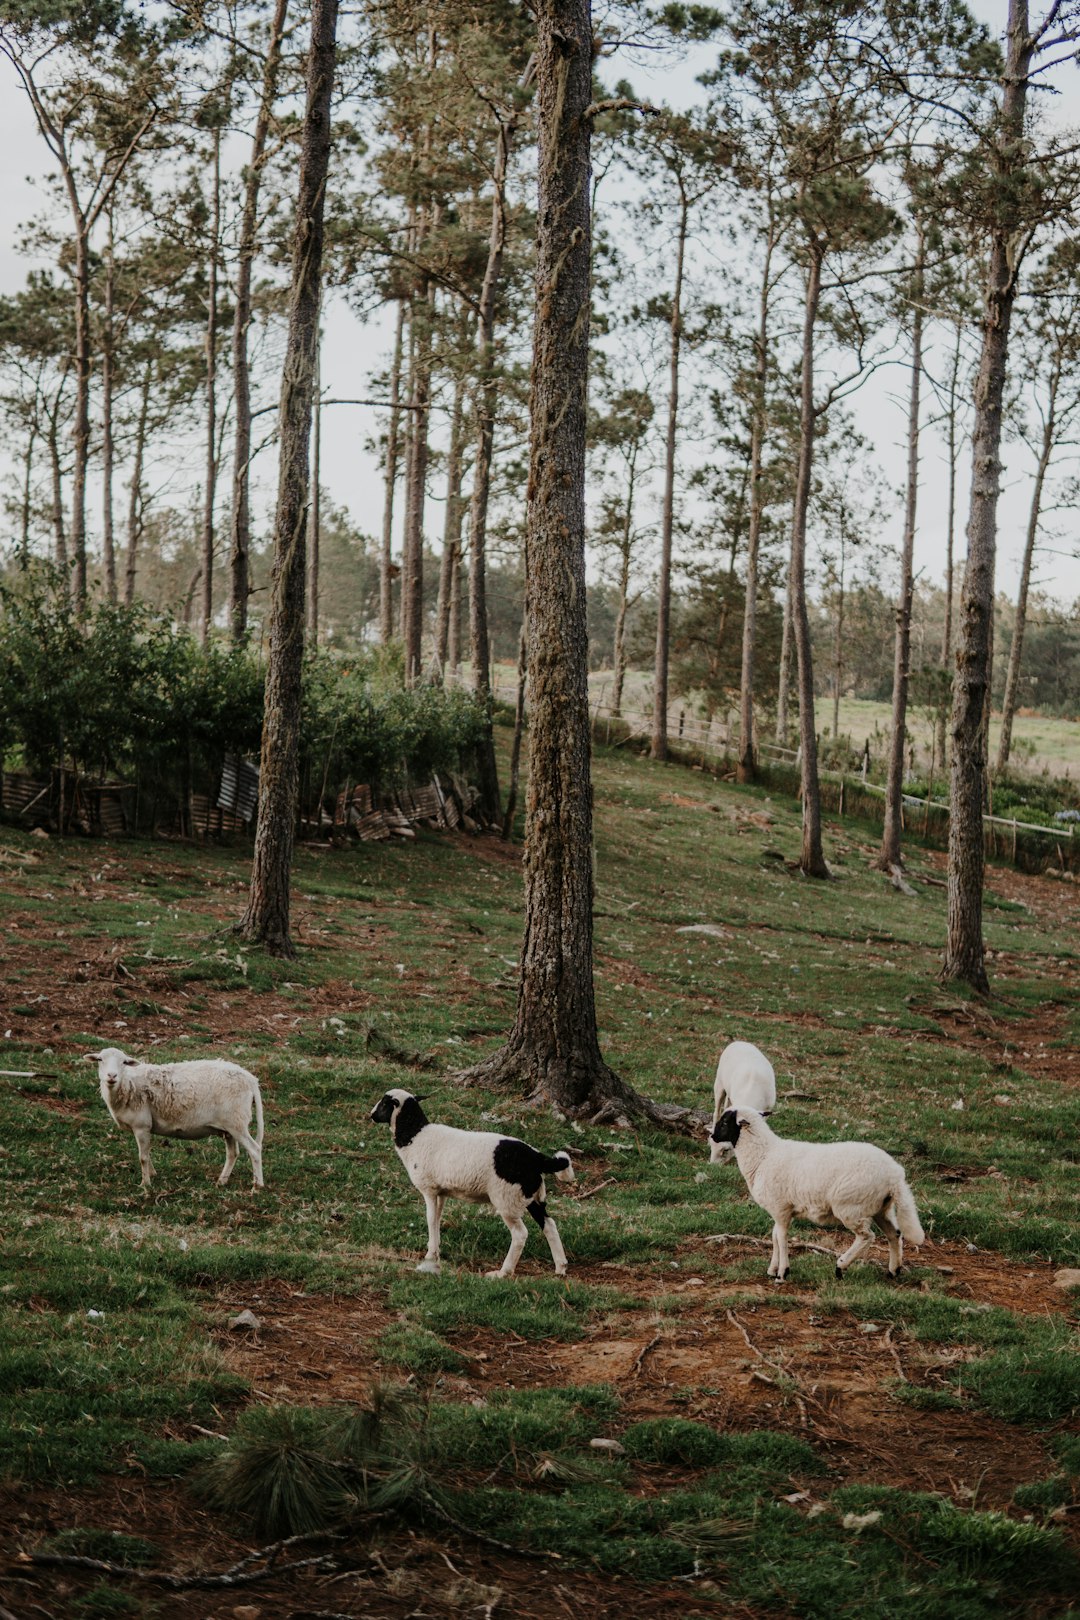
[
  {"x": 314, "y": 508},
  {"x": 964, "y": 950},
  {"x": 206, "y": 616},
  {"x": 135, "y": 500},
  {"x": 266, "y": 919},
  {"x": 386, "y": 572},
  {"x": 240, "y": 523},
  {"x": 783, "y": 686},
  {"x": 107, "y": 453},
  {"x": 451, "y": 522},
  {"x": 618, "y": 673},
  {"x": 838, "y": 646},
  {"x": 453, "y": 629},
  {"x": 412, "y": 571},
  {"x": 746, "y": 769},
  {"x": 946, "y": 636},
  {"x": 80, "y": 429},
  {"x": 659, "y": 743},
  {"x": 891, "y": 854},
  {"x": 27, "y": 498},
  {"x": 60, "y": 545},
  {"x": 1016, "y": 651},
  {"x": 487, "y": 398},
  {"x": 812, "y": 860}
]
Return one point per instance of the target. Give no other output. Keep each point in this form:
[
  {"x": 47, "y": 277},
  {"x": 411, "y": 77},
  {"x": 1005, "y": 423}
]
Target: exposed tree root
[{"x": 600, "y": 1096}]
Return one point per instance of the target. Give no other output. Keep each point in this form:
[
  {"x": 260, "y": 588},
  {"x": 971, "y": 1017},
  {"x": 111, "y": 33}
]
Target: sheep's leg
[
  {"x": 718, "y": 1106},
  {"x": 893, "y": 1237},
  {"x": 142, "y": 1135},
  {"x": 538, "y": 1211},
  {"x": 778, "y": 1265},
  {"x": 434, "y": 1207},
  {"x": 254, "y": 1153},
  {"x": 864, "y": 1239},
  {"x": 519, "y": 1233},
  {"x": 230, "y": 1158}
]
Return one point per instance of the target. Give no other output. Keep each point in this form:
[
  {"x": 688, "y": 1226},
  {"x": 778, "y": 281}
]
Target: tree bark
[
  {"x": 206, "y": 615},
  {"x": 487, "y": 396},
  {"x": 266, "y": 919},
  {"x": 553, "y": 1048},
  {"x": 386, "y": 573},
  {"x": 412, "y": 570},
  {"x": 658, "y": 748},
  {"x": 746, "y": 769},
  {"x": 519, "y": 729},
  {"x": 80, "y": 428},
  {"x": 783, "y": 687},
  {"x": 451, "y": 523},
  {"x": 812, "y": 859},
  {"x": 891, "y": 855},
  {"x": 964, "y": 950},
  {"x": 53, "y": 436},
  {"x": 453, "y": 629},
  {"x": 946, "y": 636},
  {"x": 1016, "y": 651},
  {"x": 838, "y": 644},
  {"x": 28, "y": 476},
  {"x": 107, "y": 452},
  {"x": 240, "y": 530},
  {"x": 314, "y": 510},
  {"x": 135, "y": 504}
]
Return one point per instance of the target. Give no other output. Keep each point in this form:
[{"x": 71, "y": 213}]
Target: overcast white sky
[{"x": 354, "y": 351}]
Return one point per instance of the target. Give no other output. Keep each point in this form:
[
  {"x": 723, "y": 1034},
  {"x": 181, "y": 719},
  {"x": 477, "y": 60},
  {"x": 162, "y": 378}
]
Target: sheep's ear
[
  {"x": 92, "y": 1057},
  {"x": 132, "y": 1063}
]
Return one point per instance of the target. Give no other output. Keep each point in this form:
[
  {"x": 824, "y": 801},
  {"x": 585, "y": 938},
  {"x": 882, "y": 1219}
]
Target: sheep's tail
[
  {"x": 258, "y": 1115},
  {"x": 558, "y": 1165},
  {"x": 907, "y": 1216}
]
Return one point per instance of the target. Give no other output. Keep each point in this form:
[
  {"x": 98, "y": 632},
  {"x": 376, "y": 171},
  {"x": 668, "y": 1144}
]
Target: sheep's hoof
[
  {"x": 839, "y": 1275},
  {"x": 497, "y": 1276},
  {"x": 432, "y": 1267},
  {"x": 897, "y": 1272},
  {"x": 560, "y": 1271}
]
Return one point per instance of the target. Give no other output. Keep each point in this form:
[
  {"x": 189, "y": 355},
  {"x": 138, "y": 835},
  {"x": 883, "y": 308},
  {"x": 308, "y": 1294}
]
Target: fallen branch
[
  {"x": 238, "y": 1575},
  {"x": 29, "y": 1074},
  {"x": 608, "y": 1181},
  {"x": 766, "y": 1243},
  {"x": 899, "y": 881},
  {"x": 635, "y": 1365}
]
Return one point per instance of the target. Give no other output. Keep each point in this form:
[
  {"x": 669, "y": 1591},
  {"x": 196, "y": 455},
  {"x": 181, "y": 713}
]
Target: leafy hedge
[{"x": 123, "y": 693}]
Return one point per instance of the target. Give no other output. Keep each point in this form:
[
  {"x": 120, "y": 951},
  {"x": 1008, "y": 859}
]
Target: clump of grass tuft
[
  {"x": 111, "y": 1546},
  {"x": 418, "y": 1349},
  {"x": 1039, "y": 1384},
  {"x": 284, "y": 1470},
  {"x": 1044, "y": 1495}
]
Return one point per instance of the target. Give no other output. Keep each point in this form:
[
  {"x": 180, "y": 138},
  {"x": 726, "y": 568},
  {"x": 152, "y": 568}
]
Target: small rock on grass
[
  {"x": 613, "y": 1447},
  {"x": 1068, "y": 1277},
  {"x": 245, "y": 1319}
]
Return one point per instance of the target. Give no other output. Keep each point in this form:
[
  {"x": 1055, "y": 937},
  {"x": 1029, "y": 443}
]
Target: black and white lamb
[
  {"x": 852, "y": 1183},
  {"x": 479, "y": 1166}
]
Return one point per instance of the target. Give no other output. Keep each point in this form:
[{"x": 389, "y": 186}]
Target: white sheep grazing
[
  {"x": 853, "y": 1183},
  {"x": 744, "y": 1079},
  {"x": 479, "y": 1166},
  {"x": 206, "y": 1097}
]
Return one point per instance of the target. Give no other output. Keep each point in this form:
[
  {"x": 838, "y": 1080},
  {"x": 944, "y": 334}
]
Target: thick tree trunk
[
  {"x": 453, "y": 629},
  {"x": 658, "y": 748},
  {"x": 554, "y": 1049},
  {"x": 135, "y": 500},
  {"x": 107, "y": 453},
  {"x": 386, "y": 572},
  {"x": 746, "y": 769},
  {"x": 964, "y": 951},
  {"x": 240, "y": 532},
  {"x": 206, "y": 616},
  {"x": 451, "y": 523},
  {"x": 812, "y": 860},
  {"x": 267, "y": 917},
  {"x": 891, "y": 854},
  {"x": 1016, "y": 651}
]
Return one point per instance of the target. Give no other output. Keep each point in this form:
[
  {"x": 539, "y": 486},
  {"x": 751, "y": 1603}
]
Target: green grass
[{"x": 408, "y": 957}]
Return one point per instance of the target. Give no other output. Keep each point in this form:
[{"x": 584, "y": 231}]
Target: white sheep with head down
[
  {"x": 204, "y": 1097},
  {"x": 744, "y": 1079},
  {"x": 479, "y": 1166},
  {"x": 853, "y": 1184}
]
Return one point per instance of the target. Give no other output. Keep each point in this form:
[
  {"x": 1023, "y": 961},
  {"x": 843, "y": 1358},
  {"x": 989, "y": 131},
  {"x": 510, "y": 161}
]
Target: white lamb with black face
[
  {"x": 852, "y": 1184},
  {"x": 479, "y": 1166}
]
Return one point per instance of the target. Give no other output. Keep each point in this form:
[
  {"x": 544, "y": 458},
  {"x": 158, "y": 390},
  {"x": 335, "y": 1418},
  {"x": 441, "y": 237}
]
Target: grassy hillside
[{"x": 900, "y": 1450}]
